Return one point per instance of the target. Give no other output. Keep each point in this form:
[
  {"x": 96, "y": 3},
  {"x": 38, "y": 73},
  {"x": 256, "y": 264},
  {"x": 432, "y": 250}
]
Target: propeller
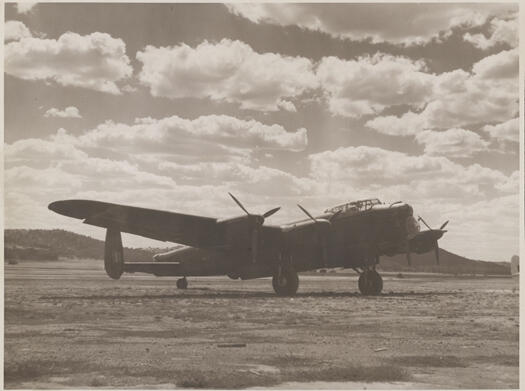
[
  {"x": 259, "y": 222},
  {"x": 307, "y": 213},
  {"x": 264, "y": 215},
  {"x": 324, "y": 237},
  {"x": 271, "y": 212},
  {"x": 439, "y": 232},
  {"x": 239, "y": 203}
]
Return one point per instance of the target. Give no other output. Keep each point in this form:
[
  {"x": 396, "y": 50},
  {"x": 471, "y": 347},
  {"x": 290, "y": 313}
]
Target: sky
[{"x": 172, "y": 106}]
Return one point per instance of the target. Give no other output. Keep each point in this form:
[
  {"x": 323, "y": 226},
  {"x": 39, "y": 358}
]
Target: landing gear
[
  {"x": 285, "y": 281},
  {"x": 370, "y": 283},
  {"x": 182, "y": 283}
]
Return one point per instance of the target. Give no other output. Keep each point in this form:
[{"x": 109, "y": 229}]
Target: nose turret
[
  {"x": 405, "y": 215},
  {"x": 413, "y": 227}
]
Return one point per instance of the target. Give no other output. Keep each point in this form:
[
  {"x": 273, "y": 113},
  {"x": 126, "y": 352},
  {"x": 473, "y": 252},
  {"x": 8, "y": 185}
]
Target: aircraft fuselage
[{"x": 353, "y": 240}]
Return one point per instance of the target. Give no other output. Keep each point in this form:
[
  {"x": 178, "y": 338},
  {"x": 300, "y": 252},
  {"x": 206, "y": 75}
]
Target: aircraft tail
[
  {"x": 515, "y": 265},
  {"x": 113, "y": 254}
]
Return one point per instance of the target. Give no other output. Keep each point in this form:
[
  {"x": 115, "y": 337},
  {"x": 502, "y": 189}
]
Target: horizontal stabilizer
[{"x": 156, "y": 268}]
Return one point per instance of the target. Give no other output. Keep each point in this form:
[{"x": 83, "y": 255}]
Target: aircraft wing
[{"x": 195, "y": 231}]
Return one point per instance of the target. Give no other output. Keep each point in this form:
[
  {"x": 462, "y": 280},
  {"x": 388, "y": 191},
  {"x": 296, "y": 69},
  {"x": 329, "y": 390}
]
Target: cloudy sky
[{"x": 171, "y": 106}]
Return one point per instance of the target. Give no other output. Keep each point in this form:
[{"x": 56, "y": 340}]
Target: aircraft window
[{"x": 355, "y": 206}]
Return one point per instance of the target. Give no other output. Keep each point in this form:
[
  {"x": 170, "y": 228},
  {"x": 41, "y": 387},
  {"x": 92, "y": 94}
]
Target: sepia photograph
[{"x": 256, "y": 195}]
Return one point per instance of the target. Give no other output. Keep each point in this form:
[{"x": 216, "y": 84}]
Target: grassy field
[{"x": 68, "y": 325}]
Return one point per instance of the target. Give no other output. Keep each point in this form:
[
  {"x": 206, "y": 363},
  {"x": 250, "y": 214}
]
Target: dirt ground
[{"x": 68, "y": 325}]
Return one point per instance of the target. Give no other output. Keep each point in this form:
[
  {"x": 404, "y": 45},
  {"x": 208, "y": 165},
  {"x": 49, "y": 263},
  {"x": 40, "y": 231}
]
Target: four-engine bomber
[{"x": 353, "y": 235}]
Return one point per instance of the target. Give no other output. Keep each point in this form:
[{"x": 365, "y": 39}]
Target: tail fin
[
  {"x": 515, "y": 265},
  {"x": 113, "y": 254}
]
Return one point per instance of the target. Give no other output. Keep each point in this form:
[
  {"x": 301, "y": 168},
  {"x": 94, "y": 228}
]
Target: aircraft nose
[{"x": 412, "y": 226}]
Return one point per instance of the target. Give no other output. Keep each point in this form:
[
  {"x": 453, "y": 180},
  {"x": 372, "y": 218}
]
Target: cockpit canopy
[{"x": 355, "y": 206}]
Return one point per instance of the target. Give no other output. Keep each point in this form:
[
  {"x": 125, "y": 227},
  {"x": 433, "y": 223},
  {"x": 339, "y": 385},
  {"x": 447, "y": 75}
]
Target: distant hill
[
  {"x": 41, "y": 244},
  {"x": 38, "y": 244},
  {"x": 448, "y": 263}
]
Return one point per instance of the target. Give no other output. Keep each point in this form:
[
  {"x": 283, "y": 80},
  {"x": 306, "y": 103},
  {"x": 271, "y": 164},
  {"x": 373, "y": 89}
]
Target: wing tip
[
  {"x": 56, "y": 206},
  {"x": 70, "y": 208}
]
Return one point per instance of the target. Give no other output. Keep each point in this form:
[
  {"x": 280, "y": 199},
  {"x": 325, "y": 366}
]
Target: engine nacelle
[
  {"x": 425, "y": 241},
  {"x": 113, "y": 254}
]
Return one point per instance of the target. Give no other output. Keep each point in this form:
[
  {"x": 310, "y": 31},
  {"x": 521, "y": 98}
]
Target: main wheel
[
  {"x": 370, "y": 283},
  {"x": 286, "y": 281},
  {"x": 182, "y": 283}
]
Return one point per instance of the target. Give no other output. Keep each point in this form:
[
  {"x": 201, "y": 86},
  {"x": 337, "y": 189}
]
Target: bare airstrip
[{"x": 68, "y": 325}]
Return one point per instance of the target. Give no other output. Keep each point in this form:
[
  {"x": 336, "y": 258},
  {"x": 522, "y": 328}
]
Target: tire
[
  {"x": 370, "y": 283},
  {"x": 182, "y": 283},
  {"x": 287, "y": 284}
]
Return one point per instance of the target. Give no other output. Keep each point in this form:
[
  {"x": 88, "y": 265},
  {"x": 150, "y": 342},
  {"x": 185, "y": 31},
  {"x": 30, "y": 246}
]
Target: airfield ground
[{"x": 68, "y": 325}]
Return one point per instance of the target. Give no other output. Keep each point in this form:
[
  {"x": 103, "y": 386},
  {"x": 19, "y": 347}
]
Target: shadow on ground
[{"x": 198, "y": 294}]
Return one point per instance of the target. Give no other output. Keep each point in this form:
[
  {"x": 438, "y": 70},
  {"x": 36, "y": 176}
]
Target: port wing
[{"x": 155, "y": 224}]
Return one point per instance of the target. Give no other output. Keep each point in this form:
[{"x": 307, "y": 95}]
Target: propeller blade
[
  {"x": 424, "y": 222},
  {"x": 306, "y": 212},
  {"x": 239, "y": 203},
  {"x": 271, "y": 212},
  {"x": 255, "y": 244},
  {"x": 436, "y": 252},
  {"x": 444, "y": 225}
]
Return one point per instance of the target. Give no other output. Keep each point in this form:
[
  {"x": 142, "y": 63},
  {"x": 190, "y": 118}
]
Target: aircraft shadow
[{"x": 198, "y": 294}]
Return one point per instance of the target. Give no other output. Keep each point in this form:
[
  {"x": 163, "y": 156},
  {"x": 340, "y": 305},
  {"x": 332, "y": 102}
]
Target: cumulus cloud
[
  {"x": 171, "y": 176},
  {"x": 52, "y": 163},
  {"x": 255, "y": 180},
  {"x": 128, "y": 88},
  {"x": 209, "y": 136},
  {"x": 119, "y": 174},
  {"x": 170, "y": 153},
  {"x": 505, "y": 131},
  {"x": 503, "y": 65},
  {"x": 226, "y": 71},
  {"x": 408, "y": 176},
  {"x": 511, "y": 185},
  {"x": 43, "y": 179},
  {"x": 29, "y": 150},
  {"x": 352, "y": 88},
  {"x": 357, "y": 87},
  {"x": 95, "y": 61},
  {"x": 15, "y": 30},
  {"x": 23, "y": 7},
  {"x": 408, "y": 124},
  {"x": 68, "y": 112},
  {"x": 487, "y": 94},
  {"x": 377, "y": 22},
  {"x": 455, "y": 142},
  {"x": 501, "y": 31}
]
